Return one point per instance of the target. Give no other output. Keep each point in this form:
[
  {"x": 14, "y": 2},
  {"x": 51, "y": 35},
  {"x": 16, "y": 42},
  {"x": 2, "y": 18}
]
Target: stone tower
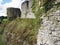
[
  {"x": 13, "y": 13},
  {"x": 26, "y": 9}
]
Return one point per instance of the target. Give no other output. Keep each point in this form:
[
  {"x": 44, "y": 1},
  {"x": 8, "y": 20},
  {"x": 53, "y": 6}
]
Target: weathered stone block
[{"x": 13, "y": 13}]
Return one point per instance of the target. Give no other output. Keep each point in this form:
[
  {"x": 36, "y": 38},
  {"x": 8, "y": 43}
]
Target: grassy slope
[
  {"x": 1, "y": 43},
  {"x": 22, "y": 28},
  {"x": 4, "y": 22}
]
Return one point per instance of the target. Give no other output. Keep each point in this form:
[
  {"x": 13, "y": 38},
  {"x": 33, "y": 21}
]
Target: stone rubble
[{"x": 49, "y": 32}]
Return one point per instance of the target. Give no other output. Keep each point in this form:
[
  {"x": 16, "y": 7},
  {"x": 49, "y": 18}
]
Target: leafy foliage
[{"x": 48, "y": 4}]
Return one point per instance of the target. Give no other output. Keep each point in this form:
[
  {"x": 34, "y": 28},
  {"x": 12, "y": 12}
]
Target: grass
[
  {"x": 1, "y": 31},
  {"x": 1, "y": 43},
  {"x": 25, "y": 29},
  {"x": 2, "y": 25}
]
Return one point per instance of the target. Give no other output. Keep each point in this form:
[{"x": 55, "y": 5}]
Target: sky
[{"x": 4, "y": 4}]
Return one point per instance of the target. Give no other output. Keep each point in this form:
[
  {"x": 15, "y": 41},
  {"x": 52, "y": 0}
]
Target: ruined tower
[
  {"x": 26, "y": 9},
  {"x": 13, "y": 13}
]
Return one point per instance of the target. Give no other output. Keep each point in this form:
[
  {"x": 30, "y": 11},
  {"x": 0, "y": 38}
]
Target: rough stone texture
[
  {"x": 57, "y": 1},
  {"x": 49, "y": 32},
  {"x": 26, "y": 9},
  {"x": 13, "y": 13}
]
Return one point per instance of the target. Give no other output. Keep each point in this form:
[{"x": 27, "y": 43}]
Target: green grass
[
  {"x": 25, "y": 29},
  {"x": 4, "y": 22},
  {"x": 1, "y": 43}
]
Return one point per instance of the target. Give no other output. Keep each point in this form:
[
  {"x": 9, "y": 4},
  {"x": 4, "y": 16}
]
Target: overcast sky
[{"x": 4, "y": 4}]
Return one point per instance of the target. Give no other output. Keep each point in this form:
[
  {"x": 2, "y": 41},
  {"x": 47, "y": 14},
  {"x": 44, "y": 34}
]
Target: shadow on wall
[
  {"x": 13, "y": 13},
  {"x": 50, "y": 4}
]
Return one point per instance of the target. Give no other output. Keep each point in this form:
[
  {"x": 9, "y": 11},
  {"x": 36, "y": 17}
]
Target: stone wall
[
  {"x": 13, "y": 13},
  {"x": 49, "y": 32},
  {"x": 26, "y": 9}
]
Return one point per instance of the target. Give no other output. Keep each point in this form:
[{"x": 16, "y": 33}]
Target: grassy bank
[{"x": 1, "y": 43}]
